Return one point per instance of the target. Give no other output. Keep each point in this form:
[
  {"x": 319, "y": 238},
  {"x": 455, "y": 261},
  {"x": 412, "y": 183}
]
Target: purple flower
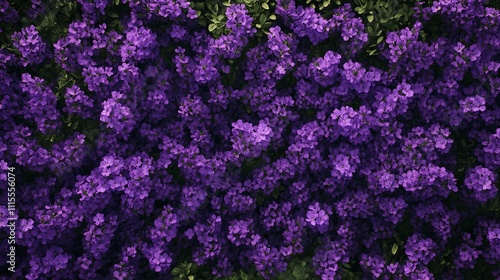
[
  {"x": 78, "y": 103},
  {"x": 473, "y": 104},
  {"x": 420, "y": 249},
  {"x": 140, "y": 43},
  {"x": 158, "y": 259},
  {"x": 238, "y": 20},
  {"x": 117, "y": 116},
  {"x": 41, "y": 103},
  {"x": 193, "y": 197},
  {"x": 317, "y": 217},
  {"x": 30, "y": 45},
  {"x": 480, "y": 181}
]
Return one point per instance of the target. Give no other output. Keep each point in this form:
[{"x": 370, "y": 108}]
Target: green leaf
[
  {"x": 116, "y": 2},
  {"x": 370, "y": 30},
  {"x": 113, "y": 23},
  {"x": 243, "y": 275},
  {"x": 369, "y": 5},
  {"x": 398, "y": 15},
  {"x": 394, "y": 249},
  {"x": 191, "y": 277},
  {"x": 359, "y": 10},
  {"x": 176, "y": 271},
  {"x": 299, "y": 273},
  {"x": 211, "y": 8},
  {"x": 265, "y": 6},
  {"x": 380, "y": 39},
  {"x": 202, "y": 21},
  {"x": 66, "y": 120},
  {"x": 212, "y": 27},
  {"x": 272, "y": 17},
  {"x": 370, "y": 18},
  {"x": 113, "y": 15},
  {"x": 188, "y": 266},
  {"x": 262, "y": 19}
]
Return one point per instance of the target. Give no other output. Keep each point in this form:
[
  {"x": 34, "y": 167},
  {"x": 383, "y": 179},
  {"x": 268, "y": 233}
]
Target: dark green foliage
[
  {"x": 464, "y": 149},
  {"x": 493, "y": 4},
  {"x": 381, "y": 17},
  {"x": 185, "y": 271},
  {"x": 321, "y": 4},
  {"x": 432, "y": 28},
  {"x": 211, "y": 14},
  {"x": 54, "y": 25},
  {"x": 298, "y": 269}
]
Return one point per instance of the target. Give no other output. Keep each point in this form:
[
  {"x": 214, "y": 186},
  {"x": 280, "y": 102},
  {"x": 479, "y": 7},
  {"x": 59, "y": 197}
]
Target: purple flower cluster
[
  {"x": 40, "y": 103},
  {"x": 234, "y": 152},
  {"x": 30, "y": 45},
  {"x": 480, "y": 182}
]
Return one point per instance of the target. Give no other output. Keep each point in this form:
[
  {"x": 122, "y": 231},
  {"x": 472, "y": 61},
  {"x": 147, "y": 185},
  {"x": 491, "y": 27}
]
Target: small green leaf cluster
[
  {"x": 383, "y": 16},
  {"x": 298, "y": 269},
  {"x": 322, "y": 4},
  {"x": 241, "y": 275},
  {"x": 393, "y": 249},
  {"x": 211, "y": 14},
  {"x": 262, "y": 12},
  {"x": 185, "y": 271},
  {"x": 54, "y": 24}
]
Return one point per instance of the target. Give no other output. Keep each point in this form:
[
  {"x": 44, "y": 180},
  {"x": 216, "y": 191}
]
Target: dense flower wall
[{"x": 287, "y": 139}]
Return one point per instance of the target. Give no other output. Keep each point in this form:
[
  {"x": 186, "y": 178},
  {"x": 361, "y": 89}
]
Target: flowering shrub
[{"x": 251, "y": 139}]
